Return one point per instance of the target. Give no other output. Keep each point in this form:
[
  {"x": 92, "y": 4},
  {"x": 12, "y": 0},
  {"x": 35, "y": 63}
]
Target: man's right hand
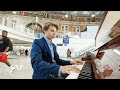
[{"x": 66, "y": 69}]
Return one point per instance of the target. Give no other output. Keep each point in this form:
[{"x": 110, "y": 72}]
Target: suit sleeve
[
  {"x": 58, "y": 60},
  {"x": 38, "y": 64}
]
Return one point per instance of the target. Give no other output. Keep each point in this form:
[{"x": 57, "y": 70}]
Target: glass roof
[{"x": 77, "y": 13}]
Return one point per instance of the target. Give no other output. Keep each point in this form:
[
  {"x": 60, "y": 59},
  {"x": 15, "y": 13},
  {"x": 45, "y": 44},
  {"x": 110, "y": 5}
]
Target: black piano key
[
  {"x": 86, "y": 72},
  {"x": 82, "y": 76}
]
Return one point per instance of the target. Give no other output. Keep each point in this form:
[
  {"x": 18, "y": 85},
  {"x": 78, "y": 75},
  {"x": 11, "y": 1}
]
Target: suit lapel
[
  {"x": 53, "y": 47},
  {"x": 46, "y": 45}
]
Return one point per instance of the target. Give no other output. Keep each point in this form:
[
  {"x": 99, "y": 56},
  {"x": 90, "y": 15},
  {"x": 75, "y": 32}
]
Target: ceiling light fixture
[
  {"x": 36, "y": 18},
  {"x": 66, "y": 15},
  {"x": 93, "y": 15},
  {"x": 14, "y": 12}
]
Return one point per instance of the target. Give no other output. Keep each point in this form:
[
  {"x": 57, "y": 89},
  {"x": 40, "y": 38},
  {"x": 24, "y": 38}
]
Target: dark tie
[{"x": 52, "y": 52}]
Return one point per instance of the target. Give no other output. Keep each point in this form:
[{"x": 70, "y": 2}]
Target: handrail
[{"x": 83, "y": 51}]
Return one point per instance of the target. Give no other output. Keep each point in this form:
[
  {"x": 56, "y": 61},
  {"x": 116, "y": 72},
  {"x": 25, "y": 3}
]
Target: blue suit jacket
[{"x": 41, "y": 60}]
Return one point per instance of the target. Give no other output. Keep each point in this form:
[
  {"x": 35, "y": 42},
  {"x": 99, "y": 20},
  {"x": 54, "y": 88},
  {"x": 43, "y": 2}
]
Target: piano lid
[{"x": 114, "y": 43}]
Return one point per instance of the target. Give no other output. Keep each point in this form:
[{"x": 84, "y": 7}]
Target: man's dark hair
[
  {"x": 48, "y": 24},
  {"x": 4, "y": 31}
]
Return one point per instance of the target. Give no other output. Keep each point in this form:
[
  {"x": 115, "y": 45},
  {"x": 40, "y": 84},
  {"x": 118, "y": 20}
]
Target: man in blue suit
[{"x": 45, "y": 60}]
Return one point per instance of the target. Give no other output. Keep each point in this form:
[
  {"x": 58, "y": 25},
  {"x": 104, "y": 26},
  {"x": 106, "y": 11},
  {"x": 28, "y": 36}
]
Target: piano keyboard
[{"x": 85, "y": 73}]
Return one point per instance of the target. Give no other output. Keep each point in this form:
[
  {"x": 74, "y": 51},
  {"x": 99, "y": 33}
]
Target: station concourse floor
[{"x": 23, "y": 69}]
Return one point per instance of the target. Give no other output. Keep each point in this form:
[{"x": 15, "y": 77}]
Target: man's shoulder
[
  {"x": 5, "y": 39},
  {"x": 40, "y": 40}
]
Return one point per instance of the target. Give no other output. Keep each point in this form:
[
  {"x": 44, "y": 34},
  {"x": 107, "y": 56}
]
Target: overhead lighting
[
  {"x": 36, "y": 18},
  {"x": 14, "y": 12},
  {"x": 7, "y": 18},
  {"x": 66, "y": 16},
  {"x": 93, "y": 15}
]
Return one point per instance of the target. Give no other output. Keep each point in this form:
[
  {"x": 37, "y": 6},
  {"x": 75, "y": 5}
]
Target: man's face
[
  {"x": 50, "y": 33},
  {"x": 4, "y": 34}
]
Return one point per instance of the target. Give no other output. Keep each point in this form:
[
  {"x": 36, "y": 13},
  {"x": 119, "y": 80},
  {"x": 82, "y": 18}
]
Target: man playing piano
[{"x": 45, "y": 60}]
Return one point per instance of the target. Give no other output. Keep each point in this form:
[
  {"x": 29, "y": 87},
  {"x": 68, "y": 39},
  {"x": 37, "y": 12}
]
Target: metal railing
[{"x": 84, "y": 50}]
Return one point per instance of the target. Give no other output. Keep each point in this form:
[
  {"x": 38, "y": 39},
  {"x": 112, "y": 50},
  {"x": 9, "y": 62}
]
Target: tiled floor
[{"x": 23, "y": 68}]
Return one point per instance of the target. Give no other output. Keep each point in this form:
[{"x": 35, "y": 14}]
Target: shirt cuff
[{"x": 59, "y": 72}]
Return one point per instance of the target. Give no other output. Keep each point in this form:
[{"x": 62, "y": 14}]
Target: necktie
[{"x": 52, "y": 52}]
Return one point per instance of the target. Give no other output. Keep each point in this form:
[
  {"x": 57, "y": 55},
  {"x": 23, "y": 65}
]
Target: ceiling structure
[
  {"x": 78, "y": 13},
  {"x": 72, "y": 13},
  {"x": 43, "y": 14}
]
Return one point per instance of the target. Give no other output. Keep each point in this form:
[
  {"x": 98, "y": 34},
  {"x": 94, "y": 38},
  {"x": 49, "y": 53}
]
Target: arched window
[
  {"x": 36, "y": 27},
  {"x": 76, "y": 29}
]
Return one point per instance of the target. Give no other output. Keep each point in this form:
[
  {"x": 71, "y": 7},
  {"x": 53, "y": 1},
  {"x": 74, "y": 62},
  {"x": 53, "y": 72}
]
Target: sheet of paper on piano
[{"x": 74, "y": 75}]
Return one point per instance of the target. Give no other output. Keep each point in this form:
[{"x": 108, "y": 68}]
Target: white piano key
[{"x": 74, "y": 75}]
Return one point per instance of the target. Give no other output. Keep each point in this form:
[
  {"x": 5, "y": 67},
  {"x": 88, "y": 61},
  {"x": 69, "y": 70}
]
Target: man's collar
[{"x": 48, "y": 41}]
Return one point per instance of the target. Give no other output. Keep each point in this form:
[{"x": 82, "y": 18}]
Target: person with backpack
[{"x": 6, "y": 48}]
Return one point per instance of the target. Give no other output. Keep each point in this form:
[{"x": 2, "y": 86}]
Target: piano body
[
  {"x": 106, "y": 61},
  {"x": 105, "y": 64}
]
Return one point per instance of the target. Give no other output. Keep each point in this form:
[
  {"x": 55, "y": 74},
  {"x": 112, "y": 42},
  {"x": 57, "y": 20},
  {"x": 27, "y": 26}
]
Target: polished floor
[{"x": 23, "y": 68}]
